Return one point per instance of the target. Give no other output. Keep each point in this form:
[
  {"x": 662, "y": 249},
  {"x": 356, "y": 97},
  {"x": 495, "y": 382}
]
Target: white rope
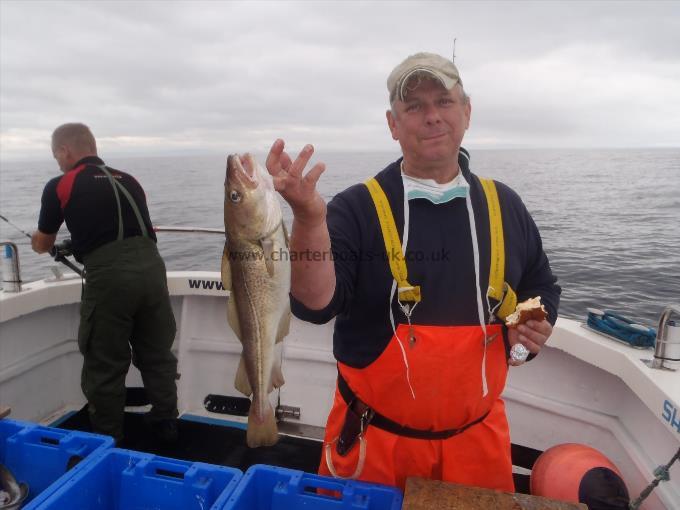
[
  {"x": 480, "y": 306},
  {"x": 360, "y": 462},
  {"x": 401, "y": 345},
  {"x": 392, "y": 292}
]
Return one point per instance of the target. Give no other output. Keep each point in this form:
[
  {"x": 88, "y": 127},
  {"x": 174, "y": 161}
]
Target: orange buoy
[{"x": 579, "y": 474}]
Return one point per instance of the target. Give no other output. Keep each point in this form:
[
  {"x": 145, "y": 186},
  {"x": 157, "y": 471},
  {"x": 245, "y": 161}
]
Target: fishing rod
[
  {"x": 19, "y": 229},
  {"x": 200, "y": 230},
  {"x": 59, "y": 251},
  {"x": 62, "y": 250}
]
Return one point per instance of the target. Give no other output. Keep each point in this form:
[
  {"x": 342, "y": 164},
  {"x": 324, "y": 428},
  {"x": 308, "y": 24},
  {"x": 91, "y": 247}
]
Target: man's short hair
[{"x": 75, "y": 135}]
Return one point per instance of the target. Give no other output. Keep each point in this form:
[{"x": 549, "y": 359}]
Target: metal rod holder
[
  {"x": 11, "y": 275},
  {"x": 663, "y": 341}
]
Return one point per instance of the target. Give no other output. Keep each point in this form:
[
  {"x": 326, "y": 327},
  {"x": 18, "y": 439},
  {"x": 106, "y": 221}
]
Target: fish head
[{"x": 251, "y": 208}]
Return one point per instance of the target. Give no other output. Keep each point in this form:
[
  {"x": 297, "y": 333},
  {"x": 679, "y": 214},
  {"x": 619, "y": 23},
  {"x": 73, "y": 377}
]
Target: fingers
[
  {"x": 532, "y": 334},
  {"x": 288, "y": 173},
  {"x": 313, "y": 175},
  {"x": 536, "y": 331},
  {"x": 275, "y": 156},
  {"x": 285, "y": 161},
  {"x": 279, "y": 170},
  {"x": 530, "y": 340},
  {"x": 301, "y": 161}
]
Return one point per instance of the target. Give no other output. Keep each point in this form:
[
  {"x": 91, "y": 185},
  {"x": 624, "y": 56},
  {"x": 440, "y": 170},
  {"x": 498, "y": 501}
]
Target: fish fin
[
  {"x": 261, "y": 432},
  {"x": 276, "y": 380},
  {"x": 285, "y": 233},
  {"x": 232, "y": 316},
  {"x": 232, "y": 313},
  {"x": 267, "y": 249},
  {"x": 226, "y": 269},
  {"x": 241, "y": 383},
  {"x": 284, "y": 326}
]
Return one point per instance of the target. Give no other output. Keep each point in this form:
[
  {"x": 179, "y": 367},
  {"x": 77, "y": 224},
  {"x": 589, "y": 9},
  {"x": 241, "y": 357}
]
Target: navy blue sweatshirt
[{"x": 439, "y": 258}]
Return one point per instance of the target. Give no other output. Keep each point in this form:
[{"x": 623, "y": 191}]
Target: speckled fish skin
[{"x": 256, "y": 268}]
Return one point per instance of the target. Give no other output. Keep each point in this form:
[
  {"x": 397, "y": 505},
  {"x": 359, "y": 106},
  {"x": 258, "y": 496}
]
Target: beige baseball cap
[{"x": 439, "y": 67}]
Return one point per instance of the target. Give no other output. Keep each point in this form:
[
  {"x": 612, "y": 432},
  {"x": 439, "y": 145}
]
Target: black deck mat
[
  {"x": 226, "y": 446},
  {"x": 214, "y": 444},
  {"x": 522, "y": 483},
  {"x": 524, "y": 456}
]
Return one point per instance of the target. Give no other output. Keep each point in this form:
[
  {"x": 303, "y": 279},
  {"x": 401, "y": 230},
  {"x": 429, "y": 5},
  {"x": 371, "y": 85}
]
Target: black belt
[{"x": 382, "y": 422}]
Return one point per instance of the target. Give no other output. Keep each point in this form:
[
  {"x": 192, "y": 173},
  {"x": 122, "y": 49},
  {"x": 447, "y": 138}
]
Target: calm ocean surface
[{"x": 610, "y": 219}]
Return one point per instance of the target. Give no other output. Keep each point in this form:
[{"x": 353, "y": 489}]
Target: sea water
[{"x": 609, "y": 219}]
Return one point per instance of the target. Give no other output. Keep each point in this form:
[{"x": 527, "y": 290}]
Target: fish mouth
[{"x": 241, "y": 171}]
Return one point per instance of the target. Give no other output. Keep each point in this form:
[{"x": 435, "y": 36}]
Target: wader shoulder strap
[
  {"x": 498, "y": 288},
  {"x": 395, "y": 256},
  {"x": 116, "y": 186}
]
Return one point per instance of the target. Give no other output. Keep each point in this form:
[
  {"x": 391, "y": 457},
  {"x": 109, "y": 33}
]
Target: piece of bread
[{"x": 526, "y": 310}]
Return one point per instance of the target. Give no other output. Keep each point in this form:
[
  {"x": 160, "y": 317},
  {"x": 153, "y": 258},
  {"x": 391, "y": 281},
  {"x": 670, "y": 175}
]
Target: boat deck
[
  {"x": 212, "y": 441},
  {"x": 223, "y": 443}
]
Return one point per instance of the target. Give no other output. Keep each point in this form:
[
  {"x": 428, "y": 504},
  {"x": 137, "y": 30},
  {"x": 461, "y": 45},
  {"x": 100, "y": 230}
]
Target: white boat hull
[{"x": 582, "y": 388}]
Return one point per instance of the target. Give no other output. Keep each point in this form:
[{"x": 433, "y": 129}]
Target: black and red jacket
[{"x": 84, "y": 198}]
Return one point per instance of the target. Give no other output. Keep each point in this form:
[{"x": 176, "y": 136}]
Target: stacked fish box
[
  {"x": 58, "y": 469},
  {"x": 40, "y": 459},
  {"x": 273, "y": 488},
  {"x": 125, "y": 479}
]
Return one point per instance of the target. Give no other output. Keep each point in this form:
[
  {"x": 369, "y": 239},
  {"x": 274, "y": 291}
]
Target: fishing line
[
  {"x": 59, "y": 251},
  {"x": 19, "y": 229}
]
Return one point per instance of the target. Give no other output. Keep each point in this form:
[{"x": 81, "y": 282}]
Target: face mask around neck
[{"x": 429, "y": 189}]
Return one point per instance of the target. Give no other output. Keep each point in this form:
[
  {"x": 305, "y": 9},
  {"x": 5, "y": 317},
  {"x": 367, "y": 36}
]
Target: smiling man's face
[{"x": 430, "y": 123}]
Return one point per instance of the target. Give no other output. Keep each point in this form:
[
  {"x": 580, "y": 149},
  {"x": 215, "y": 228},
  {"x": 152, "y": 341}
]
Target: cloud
[{"x": 160, "y": 76}]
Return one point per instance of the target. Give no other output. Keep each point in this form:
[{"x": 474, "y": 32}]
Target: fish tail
[{"x": 262, "y": 430}]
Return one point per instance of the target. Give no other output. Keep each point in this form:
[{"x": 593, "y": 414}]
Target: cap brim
[{"x": 447, "y": 82}]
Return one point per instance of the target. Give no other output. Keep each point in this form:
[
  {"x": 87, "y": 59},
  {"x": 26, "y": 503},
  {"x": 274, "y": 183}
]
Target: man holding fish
[{"x": 419, "y": 266}]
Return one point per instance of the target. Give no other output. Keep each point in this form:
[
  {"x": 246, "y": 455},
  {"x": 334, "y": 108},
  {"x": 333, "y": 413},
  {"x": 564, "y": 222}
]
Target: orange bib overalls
[{"x": 434, "y": 422}]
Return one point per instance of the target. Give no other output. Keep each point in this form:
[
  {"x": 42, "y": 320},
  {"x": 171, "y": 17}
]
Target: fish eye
[{"x": 235, "y": 196}]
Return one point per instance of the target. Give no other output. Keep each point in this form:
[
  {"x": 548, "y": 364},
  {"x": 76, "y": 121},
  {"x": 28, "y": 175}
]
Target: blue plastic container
[
  {"x": 273, "y": 488},
  {"x": 129, "y": 480},
  {"x": 44, "y": 457}
]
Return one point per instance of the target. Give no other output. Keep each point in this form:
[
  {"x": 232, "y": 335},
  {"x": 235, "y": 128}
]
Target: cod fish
[{"x": 256, "y": 269}]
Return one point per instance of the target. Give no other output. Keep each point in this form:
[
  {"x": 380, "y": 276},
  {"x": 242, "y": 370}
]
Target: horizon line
[{"x": 204, "y": 152}]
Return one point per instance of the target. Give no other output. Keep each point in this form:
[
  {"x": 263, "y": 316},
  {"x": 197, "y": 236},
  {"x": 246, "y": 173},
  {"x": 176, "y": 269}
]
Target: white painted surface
[{"x": 582, "y": 388}]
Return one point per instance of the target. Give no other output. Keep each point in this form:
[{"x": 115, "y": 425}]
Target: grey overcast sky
[{"x": 155, "y": 77}]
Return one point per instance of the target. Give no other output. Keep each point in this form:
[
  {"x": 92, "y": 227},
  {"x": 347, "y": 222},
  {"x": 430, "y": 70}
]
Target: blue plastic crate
[
  {"x": 273, "y": 488},
  {"x": 43, "y": 457},
  {"x": 129, "y": 480}
]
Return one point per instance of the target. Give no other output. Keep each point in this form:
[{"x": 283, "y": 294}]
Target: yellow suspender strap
[
  {"x": 407, "y": 292},
  {"x": 498, "y": 289}
]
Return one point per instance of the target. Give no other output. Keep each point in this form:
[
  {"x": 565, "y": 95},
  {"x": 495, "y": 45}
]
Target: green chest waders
[{"x": 126, "y": 315}]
